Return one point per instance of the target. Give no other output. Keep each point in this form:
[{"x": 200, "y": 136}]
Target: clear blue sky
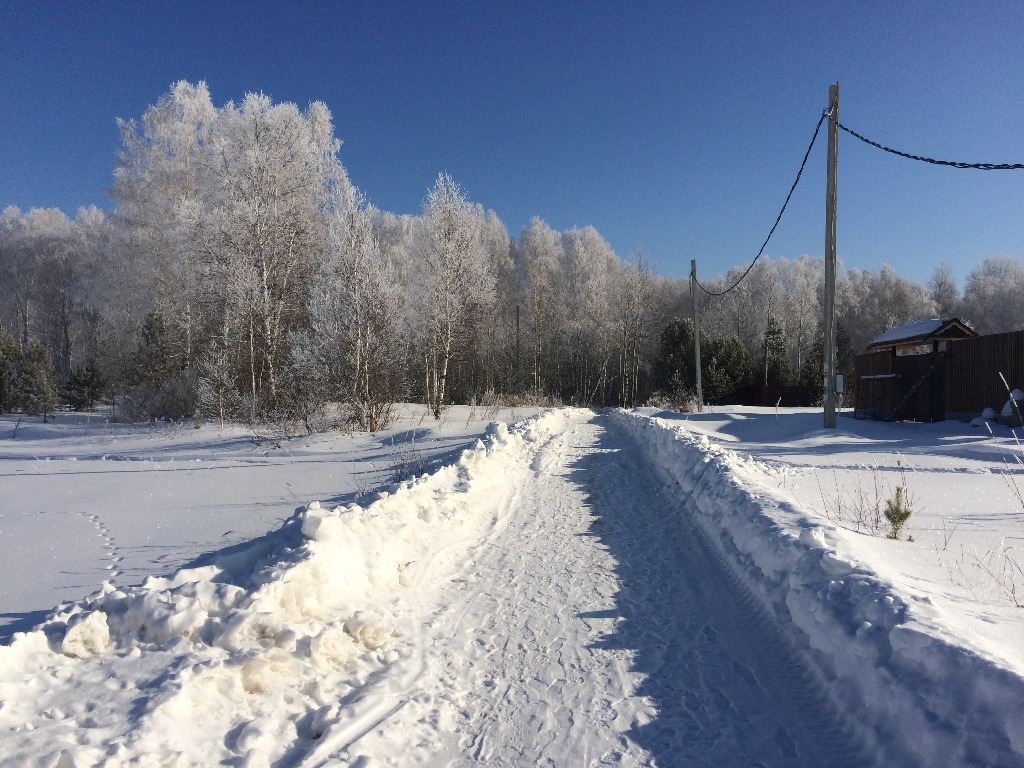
[{"x": 674, "y": 127}]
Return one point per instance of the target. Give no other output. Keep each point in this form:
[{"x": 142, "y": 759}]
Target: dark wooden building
[{"x": 934, "y": 370}]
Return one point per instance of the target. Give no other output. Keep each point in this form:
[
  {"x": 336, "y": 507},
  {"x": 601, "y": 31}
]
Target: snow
[
  {"x": 576, "y": 589},
  {"x": 1011, "y": 406},
  {"x": 915, "y": 330}
]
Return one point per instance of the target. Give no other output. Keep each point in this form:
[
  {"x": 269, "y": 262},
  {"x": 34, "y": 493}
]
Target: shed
[{"x": 922, "y": 337}]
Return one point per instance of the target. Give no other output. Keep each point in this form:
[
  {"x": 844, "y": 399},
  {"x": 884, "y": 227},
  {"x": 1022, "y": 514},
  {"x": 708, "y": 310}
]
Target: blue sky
[{"x": 672, "y": 127}]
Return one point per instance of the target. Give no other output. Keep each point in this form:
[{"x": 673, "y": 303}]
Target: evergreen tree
[
  {"x": 725, "y": 368},
  {"x": 85, "y": 386},
  {"x": 154, "y": 364},
  {"x": 675, "y": 367},
  {"x": 36, "y": 383},
  {"x": 812, "y": 374},
  {"x": 775, "y": 362},
  {"x": 10, "y": 358}
]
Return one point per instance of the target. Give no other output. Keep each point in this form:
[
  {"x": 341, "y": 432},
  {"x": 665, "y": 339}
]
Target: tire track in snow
[
  {"x": 510, "y": 673},
  {"x": 728, "y": 687},
  {"x": 593, "y": 626},
  {"x": 546, "y": 694}
]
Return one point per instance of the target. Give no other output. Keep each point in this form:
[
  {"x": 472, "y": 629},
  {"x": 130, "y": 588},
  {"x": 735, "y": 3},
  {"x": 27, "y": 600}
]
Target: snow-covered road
[
  {"x": 580, "y": 589},
  {"x": 593, "y": 626}
]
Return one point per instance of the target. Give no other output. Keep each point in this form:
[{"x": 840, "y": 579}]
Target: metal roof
[{"x": 917, "y": 331}]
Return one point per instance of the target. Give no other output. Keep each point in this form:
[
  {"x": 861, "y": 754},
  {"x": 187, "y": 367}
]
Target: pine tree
[
  {"x": 10, "y": 358},
  {"x": 725, "y": 367},
  {"x": 85, "y": 386},
  {"x": 675, "y": 366},
  {"x": 776, "y": 366},
  {"x": 36, "y": 383},
  {"x": 153, "y": 362}
]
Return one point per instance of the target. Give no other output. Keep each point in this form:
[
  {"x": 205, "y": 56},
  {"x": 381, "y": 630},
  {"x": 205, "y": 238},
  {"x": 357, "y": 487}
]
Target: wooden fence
[
  {"x": 958, "y": 383},
  {"x": 974, "y": 365}
]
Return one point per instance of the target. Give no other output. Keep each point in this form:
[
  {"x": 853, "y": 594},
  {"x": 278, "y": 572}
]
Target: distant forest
[{"x": 241, "y": 276}]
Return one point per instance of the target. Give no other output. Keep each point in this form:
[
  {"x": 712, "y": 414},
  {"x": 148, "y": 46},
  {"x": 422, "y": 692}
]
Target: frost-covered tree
[
  {"x": 31, "y": 244},
  {"x": 165, "y": 162},
  {"x": 355, "y": 317},
  {"x": 496, "y": 336},
  {"x": 457, "y": 289},
  {"x": 869, "y": 303},
  {"x": 905, "y": 300},
  {"x": 262, "y": 230},
  {"x": 632, "y": 309},
  {"x": 800, "y": 283},
  {"x": 48, "y": 291},
  {"x": 539, "y": 257},
  {"x": 943, "y": 290},
  {"x": 993, "y": 295},
  {"x": 588, "y": 342},
  {"x": 222, "y": 209}
]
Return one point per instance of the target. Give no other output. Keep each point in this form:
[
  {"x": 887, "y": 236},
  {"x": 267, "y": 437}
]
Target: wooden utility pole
[
  {"x": 696, "y": 331},
  {"x": 830, "y": 258}
]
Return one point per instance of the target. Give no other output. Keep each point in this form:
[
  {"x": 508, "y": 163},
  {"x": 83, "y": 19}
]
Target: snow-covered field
[{"x": 577, "y": 589}]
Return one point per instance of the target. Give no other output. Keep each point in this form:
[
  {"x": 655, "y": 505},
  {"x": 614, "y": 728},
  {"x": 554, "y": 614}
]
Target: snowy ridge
[
  {"x": 266, "y": 650},
  {"x": 919, "y": 698}
]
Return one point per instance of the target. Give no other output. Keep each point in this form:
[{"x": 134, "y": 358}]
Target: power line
[
  {"x": 933, "y": 161},
  {"x": 777, "y": 218}
]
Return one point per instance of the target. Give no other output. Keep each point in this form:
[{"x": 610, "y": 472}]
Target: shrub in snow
[
  {"x": 897, "y": 511},
  {"x": 989, "y": 414}
]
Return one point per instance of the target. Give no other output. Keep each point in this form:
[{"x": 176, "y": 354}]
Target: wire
[
  {"x": 778, "y": 218},
  {"x": 933, "y": 161}
]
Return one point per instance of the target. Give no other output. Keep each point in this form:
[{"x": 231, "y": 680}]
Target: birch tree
[
  {"x": 633, "y": 309},
  {"x": 263, "y": 230},
  {"x": 992, "y": 295},
  {"x": 458, "y": 286},
  {"x": 356, "y": 314},
  {"x": 589, "y": 269},
  {"x": 943, "y": 290},
  {"x": 163, "y": 167},
  {"x": 540, "y": 257}
]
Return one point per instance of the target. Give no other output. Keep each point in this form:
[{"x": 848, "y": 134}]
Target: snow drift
[
  {"x": 250, "y": 655},
  {"x": 919, "y": 698}
]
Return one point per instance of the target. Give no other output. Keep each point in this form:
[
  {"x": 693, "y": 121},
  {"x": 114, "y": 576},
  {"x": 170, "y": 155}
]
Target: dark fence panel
[
  {"x": 922, "y": 396},
  {"x": 973, "y": 368},
  {"x": 906, "y": 388},
  {"x": 873, "y": 364},
  {"x": 958, "y": 383}
]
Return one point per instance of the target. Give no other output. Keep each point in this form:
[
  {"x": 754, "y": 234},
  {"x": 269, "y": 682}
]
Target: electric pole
[
  {"x": 696, "y": 331},
  {"x": 830, "y": 257}
]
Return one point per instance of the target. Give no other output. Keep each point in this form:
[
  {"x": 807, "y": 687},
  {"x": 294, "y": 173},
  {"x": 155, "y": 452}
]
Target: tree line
[{"x": 242, "y": 276}]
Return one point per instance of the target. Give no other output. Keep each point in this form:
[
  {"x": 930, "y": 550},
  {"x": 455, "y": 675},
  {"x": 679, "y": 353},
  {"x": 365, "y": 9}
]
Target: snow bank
[
  {"x": 251, "y": 656},
  {"x": 922, "y": 699},
  {"x": 1011, "y": 406}
]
